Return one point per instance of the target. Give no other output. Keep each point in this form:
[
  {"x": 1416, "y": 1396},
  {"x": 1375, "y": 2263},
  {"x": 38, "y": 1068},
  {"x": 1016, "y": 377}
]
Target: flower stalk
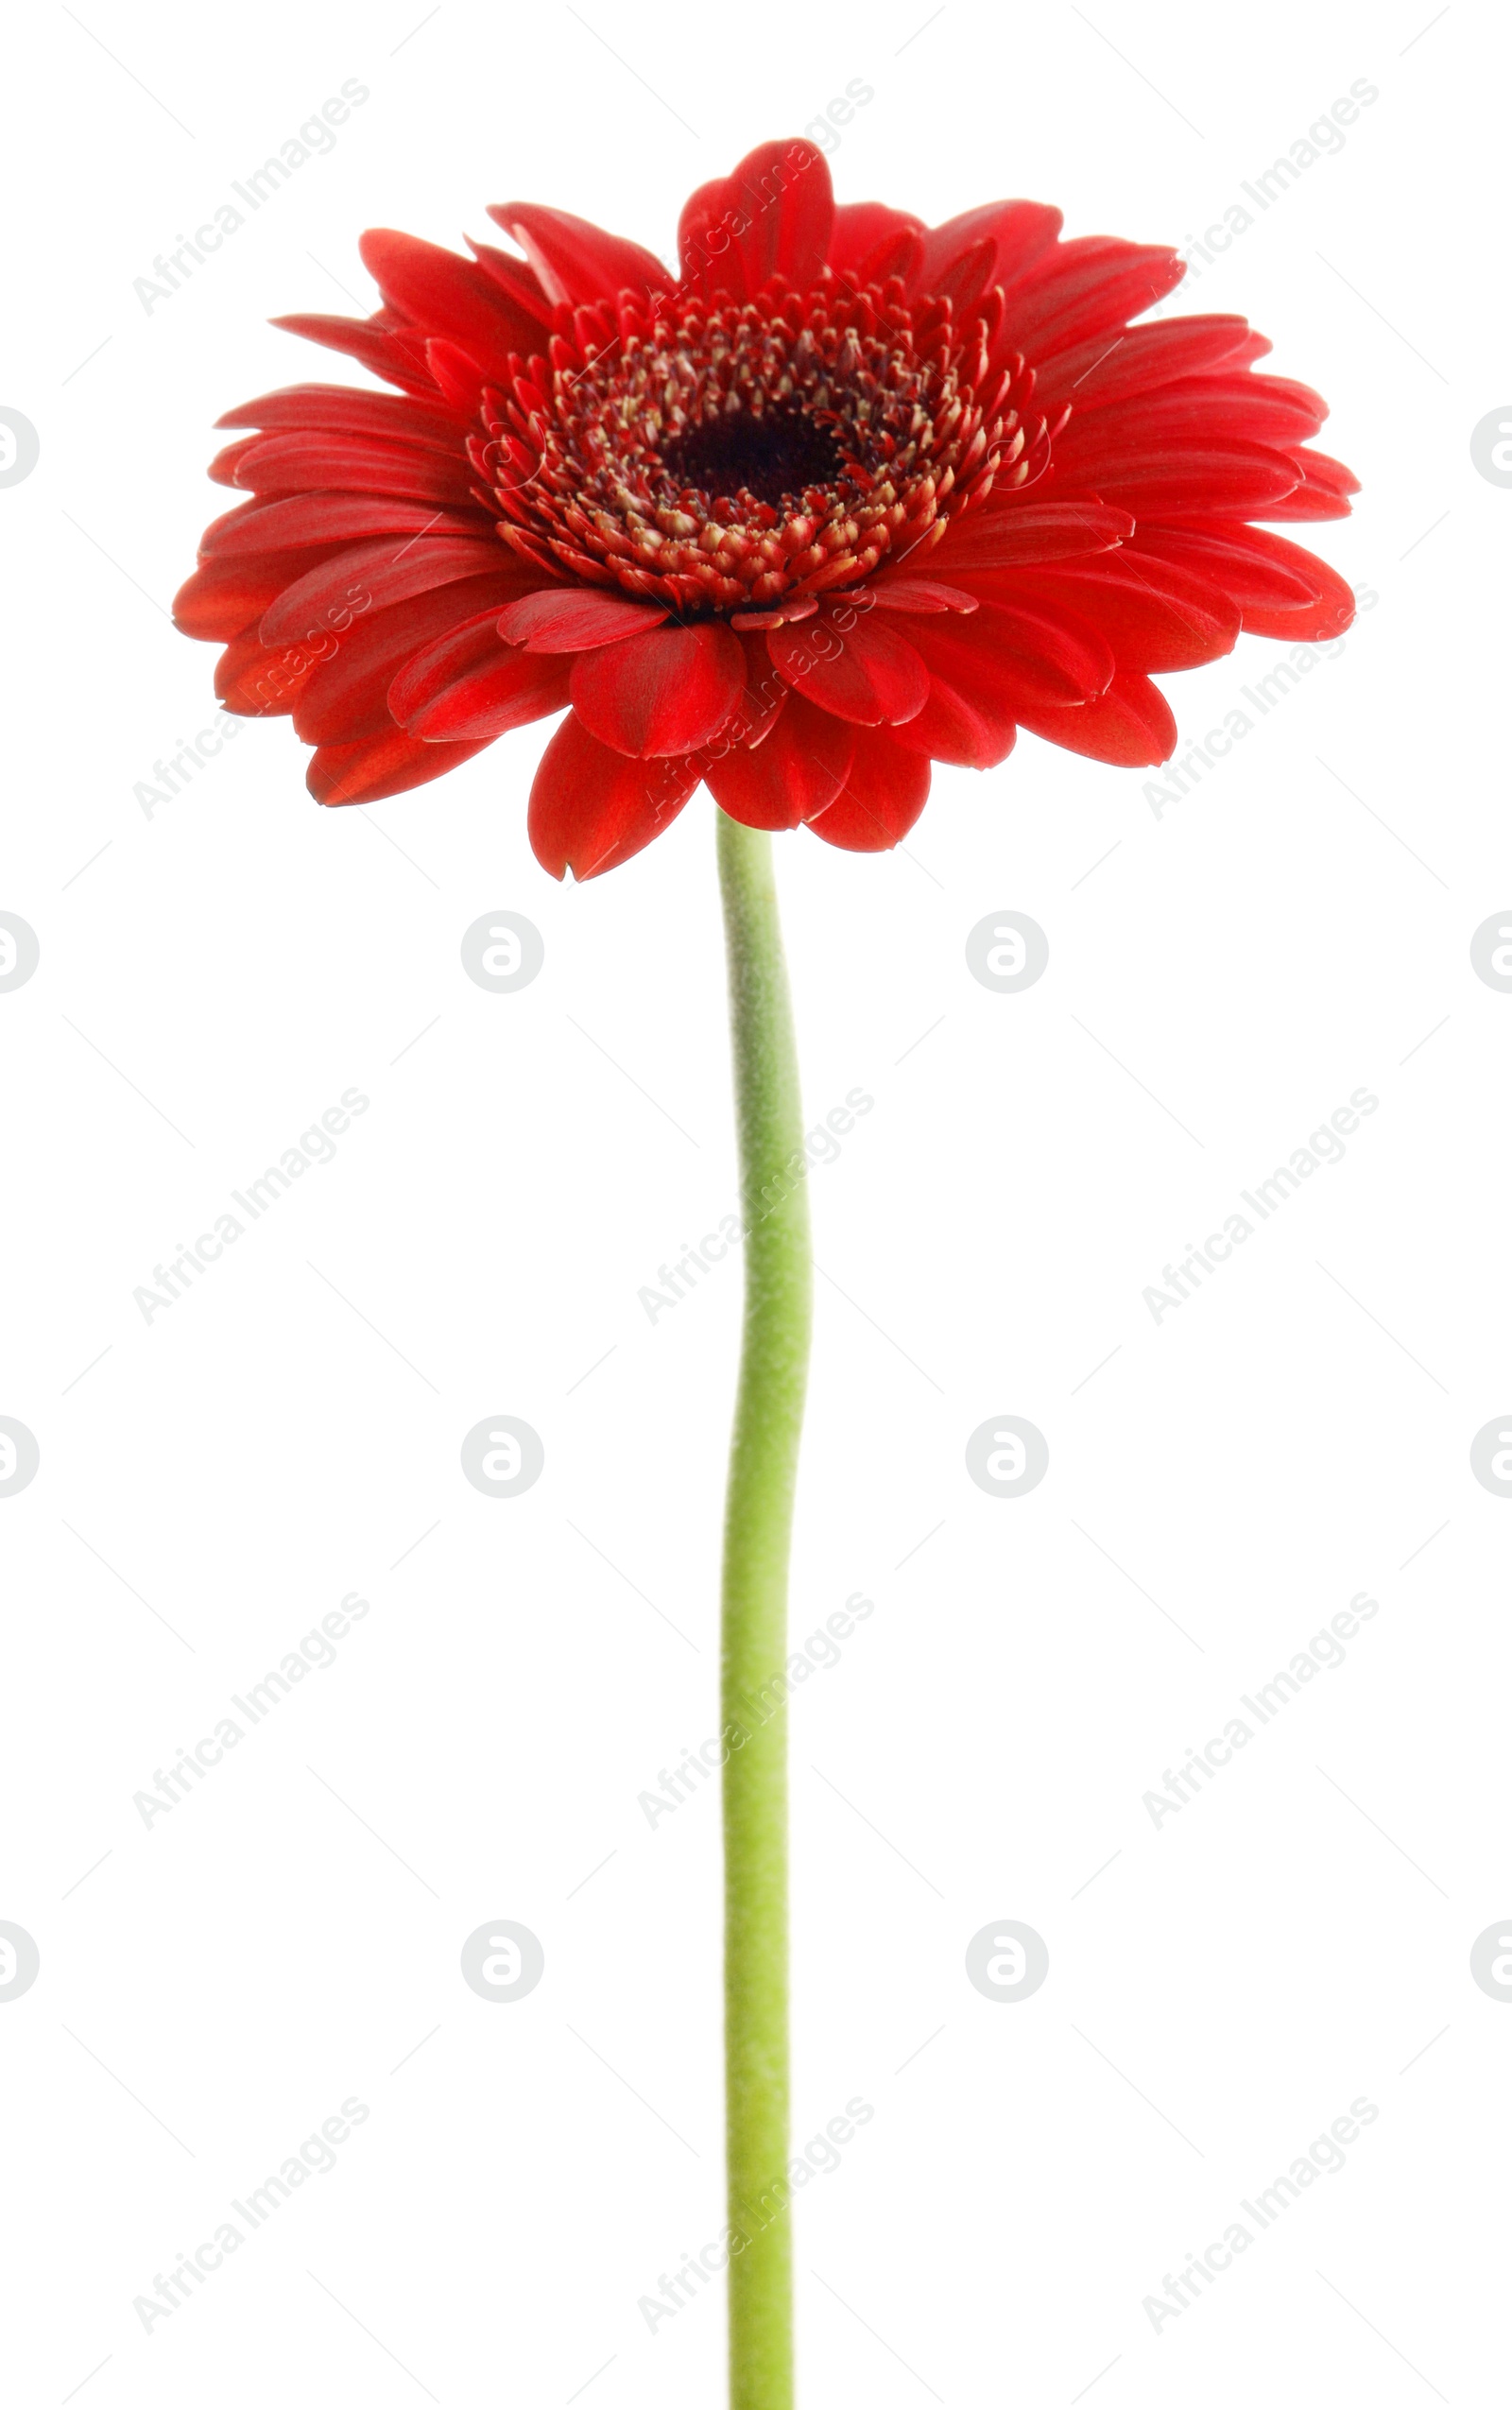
[{"x": 758, "y": 1530}]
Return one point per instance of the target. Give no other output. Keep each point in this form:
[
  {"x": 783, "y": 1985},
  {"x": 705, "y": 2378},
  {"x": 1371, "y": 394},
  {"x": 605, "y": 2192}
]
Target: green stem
[{"x": 757, "y": 1528}]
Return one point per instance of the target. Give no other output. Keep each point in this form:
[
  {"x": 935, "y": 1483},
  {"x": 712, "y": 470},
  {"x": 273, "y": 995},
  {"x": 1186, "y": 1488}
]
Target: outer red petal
[
  {"x": 1279, "y": 589},
  {"x": 257, "y": 683},
  {"x": 794, "y": 773},
  {"x": 1154, "y": 616},
  {"x": 576, "y": 619},
  {"x": 886, "y": 790},
  {"x": 223, "y": 597},
  {"x": 1015, "y": 533},
  {"x": 328, "y": 518},
  {"x": 445, "y": 295},
  {"x": 1322, "y": 493},
  {"x": 862, "y": 671},
  {"x": 1130, "y": 725},
  {"x": 1020, "y": 233},
  {"x": 372, "y": 577},
  {"x": 346, "y": 694},
  {"x": 859, "y": 225},
  {"x": 661, "y": 693},
  {"x": 509, "y": 690},
  {"x": 773, "y": 216},
  {"x": 591, "y": 808},
  {"x": 577, "y": 261},
  {"x": 383, "y": 343},
  {"x": 1210, "y": 479},
  {"x": 1099, "y": 372},
  {"x": 380, "y": 765},
  {"x": 1083, "y": 289},
  {"x": 346, "y": 409},
  {"x": 297, "y": 461}
]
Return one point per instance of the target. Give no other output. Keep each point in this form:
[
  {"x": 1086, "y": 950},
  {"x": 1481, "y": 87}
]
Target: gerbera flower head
[{"x": 844, "y": 496}]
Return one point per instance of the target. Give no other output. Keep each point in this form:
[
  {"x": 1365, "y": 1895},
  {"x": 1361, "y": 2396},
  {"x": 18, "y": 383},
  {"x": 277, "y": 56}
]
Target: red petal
[
  {"x": 1322, "y": 493},
  {"x": 380, "y": 342},
  {"x": 861, "y": 671},
  {"x": 380, "y": 765},
  {"x": 795, "y": 772},
  {"x": 1018, "y": 232},
  {"x": 1252, "y": 567},
  {"x": 328, "y": 518},
  {"x": 1009, "y": 660},
  {"x": 1271, "y": 411},
  {"x": 303, "y": 462},
  {"x": 860, "y": 226},
  {"x": 590, "y": 807},
  {"x": 1280, "y": 589},
  {"x": 347, "y": 696},
  {"x": 968, "y": 718},
  {"x": 1131, "y": 724},
  {"x": 445, "y": 671},
  {"x": 903, "y": 593},
  {"x": 521, "y": 287},
  {"x": 1020, "y": 532},
  {"x": 1082, "y": 290},
  {"x": 508, "y": 691},
  {"x": 973, "y": 735},
  {"x": 257, "y": 682},
  {"x": 1203, "y": 480},
  {"x": 373, "y": 577},
  {"x": 1154, "y": 616},
  {"x": 446, "y": 294},
  {"x": 345, "y": 409},
  {"x": 773, "y": 216},
  {"x": 884, "y": 791},
  {"x": 664, "y": 693},
  {"x": 576, "y": 619},
  {"x": 577, "y": 261},
  {"x": 227, "y": 596},
  {"x": 1100, "y": 372}
]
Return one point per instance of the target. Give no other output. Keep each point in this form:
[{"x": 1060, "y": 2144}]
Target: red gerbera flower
[{"x": 849, "y": 495}]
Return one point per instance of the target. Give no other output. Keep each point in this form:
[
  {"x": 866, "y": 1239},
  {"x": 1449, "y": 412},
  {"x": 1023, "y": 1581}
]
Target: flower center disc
[
  {"x": 748, "y": 460},
  {"x": 745, "y": 458}
]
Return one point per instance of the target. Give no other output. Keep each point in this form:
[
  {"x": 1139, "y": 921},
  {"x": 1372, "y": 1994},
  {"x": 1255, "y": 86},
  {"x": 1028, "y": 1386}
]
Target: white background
[{"x": 1222, "y": 975}]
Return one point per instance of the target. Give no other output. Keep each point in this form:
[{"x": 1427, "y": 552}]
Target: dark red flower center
[{"x": 741, "y": 458}]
